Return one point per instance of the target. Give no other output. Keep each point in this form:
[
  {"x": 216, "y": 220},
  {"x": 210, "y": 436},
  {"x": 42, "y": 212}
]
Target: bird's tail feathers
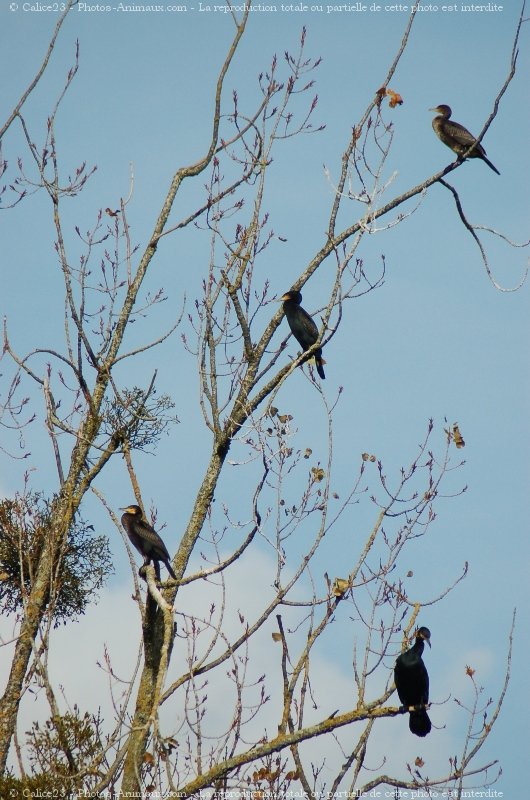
[
  {"x": 490, "y": 165},
  {"x": 419, "y": 723},
  {"x": 319, "y": 361}
]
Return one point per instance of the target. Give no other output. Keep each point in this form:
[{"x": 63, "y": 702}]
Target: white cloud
[{"x": 114, "y": 625}]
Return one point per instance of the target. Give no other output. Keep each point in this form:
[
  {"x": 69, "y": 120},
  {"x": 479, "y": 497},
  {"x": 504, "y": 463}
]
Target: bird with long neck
[
  {"x": 458, "y": 138},
  {"x": 302, "y": 326},
  {"x": 145, "y": 539},
  {"x": 412, "y": 683}
]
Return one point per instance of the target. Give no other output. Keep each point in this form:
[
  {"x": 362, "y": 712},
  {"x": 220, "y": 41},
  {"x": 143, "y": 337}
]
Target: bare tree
[{"x": 92, "y": 416}]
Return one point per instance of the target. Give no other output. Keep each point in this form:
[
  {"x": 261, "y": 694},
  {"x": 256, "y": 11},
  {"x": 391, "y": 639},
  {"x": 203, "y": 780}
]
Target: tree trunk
[
  {"x": 63, "y": 512},
  {"x": 35, "y": 608},
  {"x": 154, "y": 631}
]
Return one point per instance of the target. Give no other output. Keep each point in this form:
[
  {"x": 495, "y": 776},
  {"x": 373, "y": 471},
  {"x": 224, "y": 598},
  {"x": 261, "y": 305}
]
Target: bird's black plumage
[
  {"x": 455, "y": 136},
  {"x": 302, "y": 327},
  {"x": 146, "y": 540},
  {"x": 412, "y": 683}
]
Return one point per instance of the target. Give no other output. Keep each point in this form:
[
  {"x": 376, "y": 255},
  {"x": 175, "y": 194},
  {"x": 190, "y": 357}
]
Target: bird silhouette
[
  {"x": 412, "y": 683},
  {"x": 146, "y": 540},
  {"x": 302, "y": 326},
  {"x": 455, "y": 136}
]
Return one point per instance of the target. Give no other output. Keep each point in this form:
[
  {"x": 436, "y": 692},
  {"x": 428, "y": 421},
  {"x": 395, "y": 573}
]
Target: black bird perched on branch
[
  {"x": 412, "y": 683},
  {"x": 302, "y": 326},
  {"x": 146, "y": 540},
  {"x": 455, "y": 136}
]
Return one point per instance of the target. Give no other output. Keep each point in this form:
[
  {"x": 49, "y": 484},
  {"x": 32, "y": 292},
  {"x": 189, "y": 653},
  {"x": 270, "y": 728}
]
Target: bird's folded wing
[{"x": 459, "y": 133}]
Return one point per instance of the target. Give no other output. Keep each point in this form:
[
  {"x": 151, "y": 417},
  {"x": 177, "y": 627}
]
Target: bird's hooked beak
[
  {"x": 425, "y": 635},
  {"x": 441, "y": 109},
  {"x": 293, "y": 295}
]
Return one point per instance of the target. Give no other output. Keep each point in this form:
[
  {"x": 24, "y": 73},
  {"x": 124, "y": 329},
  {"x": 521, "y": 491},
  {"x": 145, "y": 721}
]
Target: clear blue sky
[{"x": 437, "y": 340}]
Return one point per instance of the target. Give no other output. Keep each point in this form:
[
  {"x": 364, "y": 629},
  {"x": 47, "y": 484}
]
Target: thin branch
[
  {"x": 38, "y": 76},
  {"x": 471, "y": 229}
]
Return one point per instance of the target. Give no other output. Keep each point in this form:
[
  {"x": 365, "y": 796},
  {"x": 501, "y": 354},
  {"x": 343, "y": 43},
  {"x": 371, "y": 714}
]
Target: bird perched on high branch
[
  {"x": 302, "y": 327},
  {"x": 412, "y": 683},
  {"x": 458, "y": 138},
  {"x": 146, "y": 540}
]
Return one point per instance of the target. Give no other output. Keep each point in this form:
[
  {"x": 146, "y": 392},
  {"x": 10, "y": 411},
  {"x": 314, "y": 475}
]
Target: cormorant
[
  {"x": 455, "y": 136},
  {"x": 412, "y": 683},
  {"x": 302, "y": 326},
  {"x": 146, "y": 540}
]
